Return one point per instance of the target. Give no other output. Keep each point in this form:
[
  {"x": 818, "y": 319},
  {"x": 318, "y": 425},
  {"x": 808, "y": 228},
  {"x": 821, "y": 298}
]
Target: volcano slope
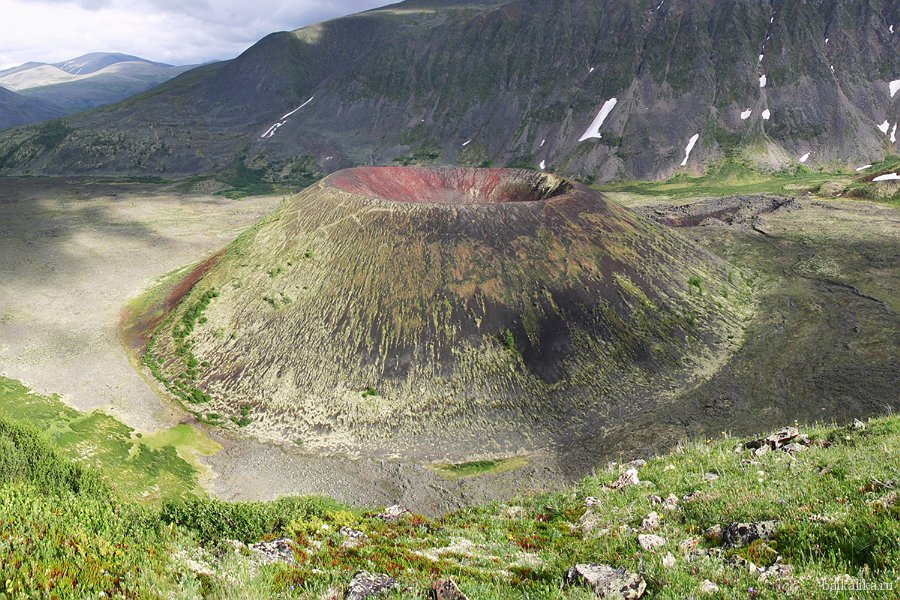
[{"x": 446, "y": 313}]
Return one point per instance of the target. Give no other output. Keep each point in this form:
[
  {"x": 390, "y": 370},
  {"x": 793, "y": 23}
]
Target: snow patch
[
  {"x": 271, "y": 130},
  {"x": 690, "y": 146},
  {"x": 894, "y": 134},
  {"x": 888, "y": 177},
  {"x": 594, "y": 130},
  {"x": 746, "y": 114},
  {"x": 895, "y": 87},
  {"x": 762, "y": 81},
  {"x": 766, "y": 114},
  {"x": 467, "y": 142},
  {"x": 761, "y": 57},
  {"x": 863, "y": 168},
  {"x": 543, "y": 165},
  {"x": 591, "y": 71},
  {"x": 826, "y": 40},
  {"x": 884, "y": 127},
  {"x": 804, "y": 158},
  {"x": 543, "y": 141},
  {"x": 298, "y": 108}
]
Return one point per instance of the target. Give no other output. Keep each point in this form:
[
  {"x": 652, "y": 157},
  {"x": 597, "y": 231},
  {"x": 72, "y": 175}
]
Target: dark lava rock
[
  {"x": 446, "y": 589},
  {"x": 365, "y": 585},
  {"x": 741, "y": 534},
  {"x": 606, "y": 581}
]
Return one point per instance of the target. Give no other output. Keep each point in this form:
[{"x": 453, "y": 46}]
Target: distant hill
[
  {"x": 16, "y": 110},
  {"x": 599, "y": 90},
  {"x": 88, "y": 81}
]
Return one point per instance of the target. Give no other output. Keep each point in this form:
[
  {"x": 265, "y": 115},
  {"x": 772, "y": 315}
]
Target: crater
[{"x": 419, "y": 185}]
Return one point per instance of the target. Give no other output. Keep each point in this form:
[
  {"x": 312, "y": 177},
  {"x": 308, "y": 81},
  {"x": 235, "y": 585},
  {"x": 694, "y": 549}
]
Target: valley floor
[{"x": 824, "y": 343}]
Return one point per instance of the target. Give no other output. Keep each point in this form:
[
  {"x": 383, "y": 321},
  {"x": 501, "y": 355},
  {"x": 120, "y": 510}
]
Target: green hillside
[{"x": 65, "y": 532}]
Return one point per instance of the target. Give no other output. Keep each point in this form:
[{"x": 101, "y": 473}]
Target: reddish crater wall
[{"x": 449, "y": 186}]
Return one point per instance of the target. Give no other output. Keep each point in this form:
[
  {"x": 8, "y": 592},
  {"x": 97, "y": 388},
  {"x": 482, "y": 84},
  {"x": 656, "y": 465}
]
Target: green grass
[
  {"x": 145, "y": 467},
  {"x": 66, "y": 532},
  {"x": 731, "y": 177},
  {"x": 478, "y": 467}
]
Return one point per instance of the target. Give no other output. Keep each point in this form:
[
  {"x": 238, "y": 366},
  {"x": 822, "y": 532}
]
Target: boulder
[
  {"x": 741, "y": 534},
  {"x": 708, "y": 587},
  {"x": 606, "y": 581},
  {"x": 774, "y": 441},
  {"x": 651, "y": 542},
  {"x": 445, "y": 589},
  {"x": 668, "y": 561},
  {"x": 280, "y": 550},
  {"x": 393, "y": 513},
  {"x": 366, "y": 585},
  {"x": 650, "y": 522},
  {"x": 628, "y": 478}
]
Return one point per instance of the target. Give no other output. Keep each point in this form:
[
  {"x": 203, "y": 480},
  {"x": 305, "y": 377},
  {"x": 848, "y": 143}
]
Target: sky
[{"x": 171, "y": 31}]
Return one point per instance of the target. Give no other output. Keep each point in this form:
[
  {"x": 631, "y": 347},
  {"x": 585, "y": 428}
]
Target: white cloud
[{"x": 172, "y": 31}]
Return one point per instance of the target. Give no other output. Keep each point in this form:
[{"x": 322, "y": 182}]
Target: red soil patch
[
  {"x": 136, "y": 332},
  {"x": 448, "y": 186}
]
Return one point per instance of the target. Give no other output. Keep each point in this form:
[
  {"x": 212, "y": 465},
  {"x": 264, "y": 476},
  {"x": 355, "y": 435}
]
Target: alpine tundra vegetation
[{"x": 458, "y": 299}]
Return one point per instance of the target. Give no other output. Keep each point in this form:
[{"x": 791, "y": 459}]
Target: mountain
[
  {"x": 430, "y": 312},
  {"x": 88, "y": 81},
  {"x": 16, "y": 110},
  {"x": 602, "y": 90}
]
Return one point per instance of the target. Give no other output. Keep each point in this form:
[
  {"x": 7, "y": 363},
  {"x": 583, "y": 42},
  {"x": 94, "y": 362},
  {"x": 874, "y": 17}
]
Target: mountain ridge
[{"x": 409, "y": 83}]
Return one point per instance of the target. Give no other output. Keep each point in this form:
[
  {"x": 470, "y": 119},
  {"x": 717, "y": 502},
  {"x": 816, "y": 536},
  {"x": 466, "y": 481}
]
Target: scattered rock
[
  {"x": 515, "y": 512},
  {"x": 393, "y": 513},
  {"x": 708, "y": 587},
  {"x": 650, "y": 542},
  {"x": 606, "y": 581},
  {"x": 668, "y": 561},
  {"x": 890, "y": 499},
  {"x": 711, "y": 476},
  {"x": 365, "y": 585},
  {"x": 714, "y": 533},
  {"x": 591, "y": 502},
  {"x": 446, "y": 589},
  {"x": 670, "y": 503},
  {"x": 654, "y": 499},
  {"x": 353, "y": 537},
  {"x": 636, "y": 464},
  {"x": 859, "y": 425},
  {"x": 629, "y": 477},
  {"x": 592, "y": 524},
  {"x": 775, "y": 572},
  {"x": 650, "y": 522},
  {"x": 777, "y": 441},
  {"x": 741, "y": 534},
  {"x": 794, "y": 447},
  {"x": 741, "y": 564},
  {"x": 692, "y": 496},
  {"x": 280, "y": 550},
  {"x": 689, "y": 545}
]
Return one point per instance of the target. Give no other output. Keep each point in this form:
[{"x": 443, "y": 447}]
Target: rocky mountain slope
[
  {"x": 604, "y": 90},
  {"x": 88, "y": 81},
  {"x": 16, "y": 109}
]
